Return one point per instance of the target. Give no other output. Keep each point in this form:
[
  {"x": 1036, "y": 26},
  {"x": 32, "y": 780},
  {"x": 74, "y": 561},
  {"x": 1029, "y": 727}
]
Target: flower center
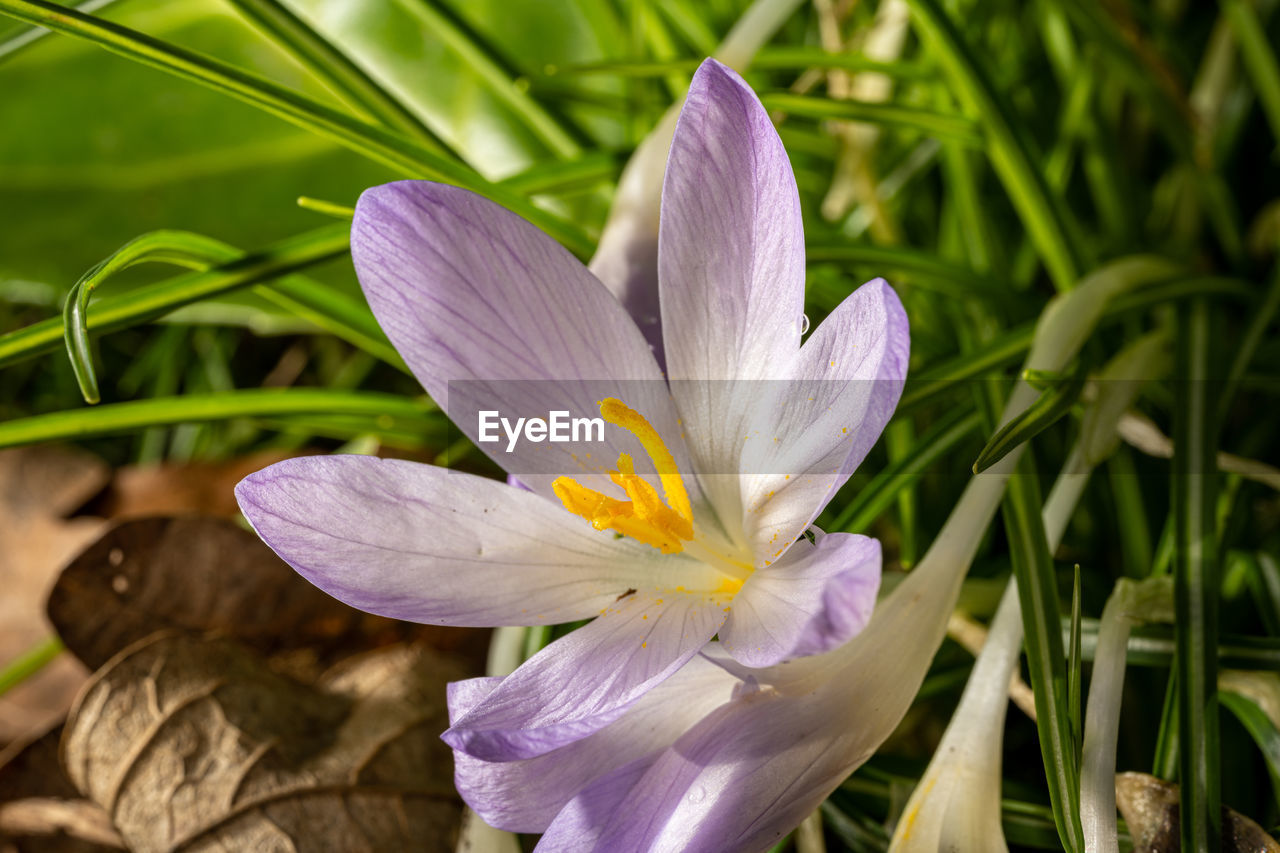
[{"x": 644, "y": 517}]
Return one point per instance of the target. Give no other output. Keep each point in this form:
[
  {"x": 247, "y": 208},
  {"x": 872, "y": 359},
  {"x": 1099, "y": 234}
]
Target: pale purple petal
[
  {"x": 814, "y": 599},
  {"x": 491, "y": 314},
  {"x": 587, "y": 679},
  {"x": 730, "y": 267},
  {"x": 848, "y": 380},
  {"x": 524, "y": 796},
  {"x": 427, "y": 544},
  {"x": 742, "y": 778}
]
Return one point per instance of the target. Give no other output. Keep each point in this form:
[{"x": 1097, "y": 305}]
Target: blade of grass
[
  {"x": 1196, "y": 580},
  {"x": 1046, "y": 661},
  {"x": 1261, "y": 728},
  {"x": 196, "y": 251},
  {"x": 333, "y": 67},
  {"x": 497, "y": 77},
  {"x": 15, "y": 44},
  {"x": 1043, "y": 214},
  {"x": 1259, "y": 58},
  {"x": 874, "y": 498},
  {"x": 950, "y": 126},
  {"x": 1048, "y": 408},
  {"x": 408, "y": 157},
  {"x": 29, "y": 663},
  {"x": 154, "y": 300},
  {"x": 388, "y": 410}
]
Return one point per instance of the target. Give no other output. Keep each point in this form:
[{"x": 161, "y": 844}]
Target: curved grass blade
[
  {"x": 1044, "y": 215},
  {"x": 1042, "y": 414},
  {"x": 1196, "y": 583},
  {"x": 333, "y": 67},
  {"x": 1154, "y": 647},
  {"x": 154, "y": 300},
  {"x": 1261, "y": 728},
  {"x": 408, "y": 157},
  {"x": 387, "y": 410},
  {"x": 324, "y": 306},
  {"x": 180, "y": 248},
  {"x": 954, "y": 127}
]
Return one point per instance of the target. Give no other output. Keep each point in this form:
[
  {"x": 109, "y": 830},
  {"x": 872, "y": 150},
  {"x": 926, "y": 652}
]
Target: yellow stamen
[
  {"x": 644, "y": 517},
  {"x": 620, "y": 414}
]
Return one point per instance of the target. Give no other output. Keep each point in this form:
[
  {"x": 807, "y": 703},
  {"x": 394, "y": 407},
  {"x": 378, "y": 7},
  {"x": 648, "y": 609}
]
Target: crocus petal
[
  {"x": 427, "y": 544},
  {"x": 730, "y": 266},
  {"x": 739, "y": 780},
  {"x": 524, "y": 796},
  {"x": 849, "y": 376},
  {"x": 587, "y": 679},
  {"x": 812, "y": 600},
  {"x": 491, "y": 314}
]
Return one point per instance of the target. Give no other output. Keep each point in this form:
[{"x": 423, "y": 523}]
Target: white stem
[{"x": 1102, "y": 724}]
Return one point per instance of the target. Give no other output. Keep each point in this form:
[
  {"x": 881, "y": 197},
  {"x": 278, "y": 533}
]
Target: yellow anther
[
  {"x": 620, "y": 414},
  {"x": 665, "y": 526}
]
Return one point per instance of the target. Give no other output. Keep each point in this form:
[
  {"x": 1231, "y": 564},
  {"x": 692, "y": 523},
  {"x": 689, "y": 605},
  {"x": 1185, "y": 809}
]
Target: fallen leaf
[
  {"x": 31, "y": 773},
  {"x": 205, "y": 488},
  {"x": 39, "y": 487},
  {"x": 205, "y": 574},
  {"x": 197, "y": 745}
]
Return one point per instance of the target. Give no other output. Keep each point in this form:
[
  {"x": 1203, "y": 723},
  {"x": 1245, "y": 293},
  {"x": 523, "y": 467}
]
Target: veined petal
[
  {"x": 491, "y": 314},
  {"x": 730, "y": 267},
  {"x": 524, "y": 796},
  {"x": 739, "y": 780},
  {"x": 587, "y": 679},
  {"x": 812, "y": 600},
  {"x": 427, "y": 544},
  {"x": 849, "y": 376}
]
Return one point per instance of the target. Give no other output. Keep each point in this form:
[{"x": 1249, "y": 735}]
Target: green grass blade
[
  {"x": 489, "y": 67},
  {"x": 1048, "y": 408},
  {"x": 874, "y": 498},
  {"x": 1044, "y": 215},
  {"x": 389, "y": 410},
  {"x": 928, "y": 271},
  {"x": 327, "y": 308},
  {"x": 409, "y": 157},
  {"x": 1259, "y": 58},
  {"x": 20, "y": 42},
  {"x": 181, "y": 248},
  {"x": 1196, "y": 580},
  {"x": 151, "y": 301},
  {"x": 29, "y": 663},
  {"x": 333, "y": 67},
  {"x": 949, "y": 126},
  {"x": 1075, "y": 665},
  {"x": 1041, "y": 620},
  {"x": 1261, "y": 728}
]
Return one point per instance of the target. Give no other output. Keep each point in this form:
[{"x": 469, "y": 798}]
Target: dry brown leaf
[
  {"x": 39, "y": 487},
  {"x": 205, "y": 574},
  {"x": 31, "y": 773},
  {"x": 197, "y": 745},
  {"x": 1151, "y": 809},
  {"x": 206, "y": 488}
]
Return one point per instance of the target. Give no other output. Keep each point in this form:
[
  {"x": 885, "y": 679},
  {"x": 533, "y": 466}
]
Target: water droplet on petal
[
  {"x": 697, "y": 794},
  {"x": 804, "y": 324}
]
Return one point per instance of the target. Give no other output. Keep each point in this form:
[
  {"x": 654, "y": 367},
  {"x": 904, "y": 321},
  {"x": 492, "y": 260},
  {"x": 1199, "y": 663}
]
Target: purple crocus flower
[{"x": 696, "y": 530}]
